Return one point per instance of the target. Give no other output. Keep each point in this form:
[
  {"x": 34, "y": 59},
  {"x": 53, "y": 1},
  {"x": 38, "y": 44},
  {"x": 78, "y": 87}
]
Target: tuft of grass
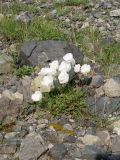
[
  {"x": 24, "y": 70},
  {"x": 76, "y": 2},
  {"x": 63, "y": 101},
  {"x": 92, "y": 44},
  {"x": 109, "y": 55},
  {"x": 12, "y": 30},
  {"x": 40, "y": 29}
]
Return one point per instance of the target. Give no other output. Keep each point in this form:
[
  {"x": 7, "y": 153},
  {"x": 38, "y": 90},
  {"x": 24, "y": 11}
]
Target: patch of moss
[{"x": 60, "y": 128}]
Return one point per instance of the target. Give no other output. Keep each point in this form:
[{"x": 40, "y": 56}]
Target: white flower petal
[
  {"x": 85, "y": 69},
  {"x": 54, "y": 64},
  {"x": 37, "y": 96},
  {"x": 64, "y": 66},
  {"x": 63, "y": 77},
  {"x": 77, "y": 68},
  {"x": 47, "y": 71},
  {"x": 68, "y": 57},
  {"x": 47, "y": 81}
]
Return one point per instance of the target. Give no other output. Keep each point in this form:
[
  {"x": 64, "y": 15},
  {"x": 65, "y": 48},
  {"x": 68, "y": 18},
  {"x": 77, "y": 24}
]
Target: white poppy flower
[
  {"x": 47, "y": 81},
  {"x": 37, "y": 96},
  {"x": 63, "y": 77},
  {"x": 64, "y": 66},
  {"x": 77, "y": 68},
  {"x": 85, "y": 69},
  {"x": 54, "y": 64},
  {"x": 47, "y": 71},
  {"x": 68, "y": 58}
]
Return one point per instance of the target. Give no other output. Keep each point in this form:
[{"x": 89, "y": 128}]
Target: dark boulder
[{"x": 42, "y": 52}]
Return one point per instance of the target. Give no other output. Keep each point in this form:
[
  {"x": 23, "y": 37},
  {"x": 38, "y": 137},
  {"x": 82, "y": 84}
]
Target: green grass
[
  {"x": 17, "y": 7},
  {"x": 63, "y": 101},
  {"x": 40, "y": 29},
  {"x": 76, "y": 2},
  {"x": 24, "y": 70},
  {"x": 109, "y": 55},
  {"x": 90, "y": 40}
]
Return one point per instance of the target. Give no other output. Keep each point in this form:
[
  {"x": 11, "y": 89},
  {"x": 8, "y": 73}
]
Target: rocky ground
[{"x": 30, "y": 134}]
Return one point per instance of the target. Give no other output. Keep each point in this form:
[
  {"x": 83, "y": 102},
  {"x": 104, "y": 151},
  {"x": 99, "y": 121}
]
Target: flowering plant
[{"x": 58, "y": 73}]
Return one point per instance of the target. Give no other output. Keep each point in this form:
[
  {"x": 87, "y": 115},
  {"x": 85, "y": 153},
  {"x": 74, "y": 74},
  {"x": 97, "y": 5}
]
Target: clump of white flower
[
  {"x": 77, "y": 68},
  {"x": 37, "y": 96},
  {"x": 64, "y": 66},
  {"x": 63, "y": 77},
  {"x": 58, "y": 73},
  {"x": 85, "y": 69}
]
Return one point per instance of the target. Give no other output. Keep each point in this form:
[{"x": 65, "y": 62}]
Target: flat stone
[
  {"x": 58, "y": 151},
  {"x": 32, "y": 147},
  {"x": 6, "y": 64},
  {"x": 68, "y": 127},
  {"x": 3, "y": 157},
  {"x": 42, "y": 52},
  {"x": 7, "y": 149},
  {"x": 115, "y": 13},
  {"x": 9, "y": 106},
  {"x": 112, "y": 87},
  {"x": 90, "y": 139}
]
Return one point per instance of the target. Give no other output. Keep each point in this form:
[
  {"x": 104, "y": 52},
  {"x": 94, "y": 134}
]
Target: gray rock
[
  {"x": 23, "y": 133},
  {"x": 103, "y": 105},
  {"x": 24, "y": 87},
  {"x": 97, "y": 81},
  {"x": 68, "y": 127},
  {"x": 69, "y": 139},
  {"x": 32, "y": 147},
  {"x": 116, "y": 145},
  {"x": 13, "y": 142},
  {"x": 3, "y": 157},
  {"x": 7, "y": 149},
  {"x": 115, "y": 13},
  {"x": 9, "y": 107},
  {"x": 112, "y": 87},
  {"x": 11, "y": 135},
  {"x": 58, "y": 151},
  {"x": 24, "y": 17},
  {"x": 53, "y": 13},
  {"x": 91, "y": 152},
  {"x": 6, "y": 64},
  {"x": 42, "y": 52}
]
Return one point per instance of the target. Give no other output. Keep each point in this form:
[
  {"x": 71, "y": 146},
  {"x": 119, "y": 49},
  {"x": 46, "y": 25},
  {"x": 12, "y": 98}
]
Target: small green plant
[
  {"x": 24, "y": 70},
  {"x": 66, "y": 101}
]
